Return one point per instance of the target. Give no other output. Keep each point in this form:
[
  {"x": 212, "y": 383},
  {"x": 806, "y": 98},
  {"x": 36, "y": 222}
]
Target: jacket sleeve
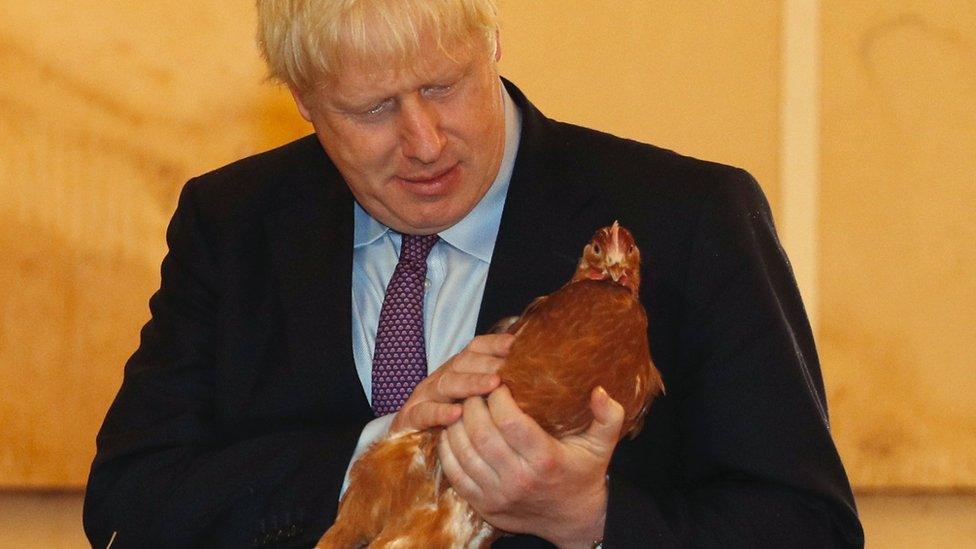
[
  {"x": 164, "y": 475},
  {"x": 760, "y": 467}
]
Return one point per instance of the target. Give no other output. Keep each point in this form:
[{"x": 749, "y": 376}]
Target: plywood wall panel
[
  {"x": 897, "y": 228},
  {"x": 701, "y": 77},
  {"x": 106, "y": 108}
]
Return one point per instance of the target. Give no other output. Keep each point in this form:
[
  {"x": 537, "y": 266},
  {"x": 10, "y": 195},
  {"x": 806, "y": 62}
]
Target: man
[{"x": 263, "y": 368}]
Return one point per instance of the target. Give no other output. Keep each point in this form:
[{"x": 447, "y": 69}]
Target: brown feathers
[
  {"x": 589, "y": 333},
  {"x": 398, "y": 497}
]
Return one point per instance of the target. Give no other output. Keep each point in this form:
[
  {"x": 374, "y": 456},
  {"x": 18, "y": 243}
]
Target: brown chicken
[{"x": 591, "y": 332}]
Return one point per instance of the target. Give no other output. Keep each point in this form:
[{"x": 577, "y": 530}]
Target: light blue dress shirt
[{"x": 457, "y": 269}]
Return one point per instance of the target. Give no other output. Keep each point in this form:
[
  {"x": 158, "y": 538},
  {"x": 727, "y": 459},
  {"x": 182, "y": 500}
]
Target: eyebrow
[
  {"x": 355, "y": 105},
  {"x": 358, "y": 105}
]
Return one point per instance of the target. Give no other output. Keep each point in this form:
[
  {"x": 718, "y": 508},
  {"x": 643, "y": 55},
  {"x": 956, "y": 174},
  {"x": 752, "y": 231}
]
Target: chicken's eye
[
  {"x": 596, "y": 249},
  {"x": 630, "y": 250}
]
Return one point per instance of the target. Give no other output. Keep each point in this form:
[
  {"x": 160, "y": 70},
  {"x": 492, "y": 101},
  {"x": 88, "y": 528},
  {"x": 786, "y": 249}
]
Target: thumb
[{"x": 608, "y": 418}]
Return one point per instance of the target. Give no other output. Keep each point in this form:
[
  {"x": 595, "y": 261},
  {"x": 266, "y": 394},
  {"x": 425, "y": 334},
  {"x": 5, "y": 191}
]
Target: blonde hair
[{"x": 305, "y": 42}]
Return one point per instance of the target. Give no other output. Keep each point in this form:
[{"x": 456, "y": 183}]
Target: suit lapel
[
  {"x": 310, "y": 244},
  {"x": 549, "y": 214}
]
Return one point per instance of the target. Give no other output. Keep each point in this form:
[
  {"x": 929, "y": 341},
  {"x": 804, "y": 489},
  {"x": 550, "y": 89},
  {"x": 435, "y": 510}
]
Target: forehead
[{"x": 367, "y": 79}]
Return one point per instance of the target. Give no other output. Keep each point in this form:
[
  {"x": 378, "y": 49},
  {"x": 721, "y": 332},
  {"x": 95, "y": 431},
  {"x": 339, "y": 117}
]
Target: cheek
[
  {"x": 370, "y": 155},
  {"x": 360, "y": 149},
  {"x": 468, "y": 121}
]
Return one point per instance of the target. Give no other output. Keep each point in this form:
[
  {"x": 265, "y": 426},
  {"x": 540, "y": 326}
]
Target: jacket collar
[
  {"x": 536, "y": 251},
  {"x": 309, "y": 245}
]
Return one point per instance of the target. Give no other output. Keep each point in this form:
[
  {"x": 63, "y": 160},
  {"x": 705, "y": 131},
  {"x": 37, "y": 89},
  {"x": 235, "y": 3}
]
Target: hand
[
  {"x": 435, "y": 400},
  {"x": 522, "y": 480}
]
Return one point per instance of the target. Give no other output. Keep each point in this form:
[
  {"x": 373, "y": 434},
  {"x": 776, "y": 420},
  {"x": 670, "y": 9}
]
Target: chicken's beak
[{"x": 616, "y": 271}]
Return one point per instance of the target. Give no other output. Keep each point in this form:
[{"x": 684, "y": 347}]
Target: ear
[
  {"x": 498, "y": 47},
  {"x": 302, "y": 109}
]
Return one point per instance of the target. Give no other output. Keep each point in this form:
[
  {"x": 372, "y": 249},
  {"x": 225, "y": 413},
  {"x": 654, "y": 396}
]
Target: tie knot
[{"x": 416, "y": 248}]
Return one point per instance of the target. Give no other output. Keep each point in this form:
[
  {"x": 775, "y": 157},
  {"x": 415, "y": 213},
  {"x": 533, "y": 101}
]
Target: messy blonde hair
[{"x": 305, "y": 42}]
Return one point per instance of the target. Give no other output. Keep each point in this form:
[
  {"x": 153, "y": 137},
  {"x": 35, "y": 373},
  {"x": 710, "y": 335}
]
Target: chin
[
  {"x": 421, "y": 225},
  {"x": 436, "y": 216}
]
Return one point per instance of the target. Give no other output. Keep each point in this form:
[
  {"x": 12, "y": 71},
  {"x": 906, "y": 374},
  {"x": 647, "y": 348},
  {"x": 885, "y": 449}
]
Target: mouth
[{"x": 434, "y": 183}]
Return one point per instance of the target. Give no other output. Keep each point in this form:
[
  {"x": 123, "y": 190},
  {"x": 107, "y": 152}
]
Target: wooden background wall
[
  {"x": 108, "y": 106},
  {"x": 896, "y": 232}
]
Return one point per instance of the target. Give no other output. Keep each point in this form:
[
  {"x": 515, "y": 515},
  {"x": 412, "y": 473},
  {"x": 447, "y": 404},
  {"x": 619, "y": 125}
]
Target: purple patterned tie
[{"x": 400, "y": 357}]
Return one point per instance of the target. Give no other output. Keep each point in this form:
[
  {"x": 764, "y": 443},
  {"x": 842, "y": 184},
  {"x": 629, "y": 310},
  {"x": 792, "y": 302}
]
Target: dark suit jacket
[{"x": 241, "y": 406}]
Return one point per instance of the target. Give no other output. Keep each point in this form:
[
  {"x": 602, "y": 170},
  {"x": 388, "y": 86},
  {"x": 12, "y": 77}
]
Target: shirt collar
[
  {"x": 474, "y": 234},
  {"x": 367, "y": 230}
]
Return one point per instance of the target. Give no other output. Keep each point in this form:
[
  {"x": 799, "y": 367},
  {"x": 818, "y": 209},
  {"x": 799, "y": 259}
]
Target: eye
[
  {"x": 596, "y": 249},
  {"x": 438, "y": 90},
  {"x": 378, "y": 108},
  {"x": 631, "y": 249}
]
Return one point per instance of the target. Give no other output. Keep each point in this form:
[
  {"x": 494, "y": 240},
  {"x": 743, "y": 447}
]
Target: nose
[{"x": 421, "y": 137}]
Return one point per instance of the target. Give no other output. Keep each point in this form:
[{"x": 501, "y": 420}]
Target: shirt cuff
[{"x": 373, "y": 431}]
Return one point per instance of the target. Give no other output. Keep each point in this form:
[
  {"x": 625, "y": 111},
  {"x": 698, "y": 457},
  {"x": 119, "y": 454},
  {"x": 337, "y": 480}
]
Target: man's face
[{"x": 418, "y": 148}]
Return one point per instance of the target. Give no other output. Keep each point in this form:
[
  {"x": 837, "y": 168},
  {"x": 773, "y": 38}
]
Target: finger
[
  {"x": 469, "y": 459},
  {"x": 520, "y": 431},
  {"x": 426, "y": 415},
  {"x": 479, "y": 356},
  {"x": 471, "y": 361},
  {"x": 492, "y": 344},
  {"x": 465, "y": 486},
  {"x": 608, "y": 418},
  {"x": 452, "y": 386},
  {"x": 485, "y": 437}
]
